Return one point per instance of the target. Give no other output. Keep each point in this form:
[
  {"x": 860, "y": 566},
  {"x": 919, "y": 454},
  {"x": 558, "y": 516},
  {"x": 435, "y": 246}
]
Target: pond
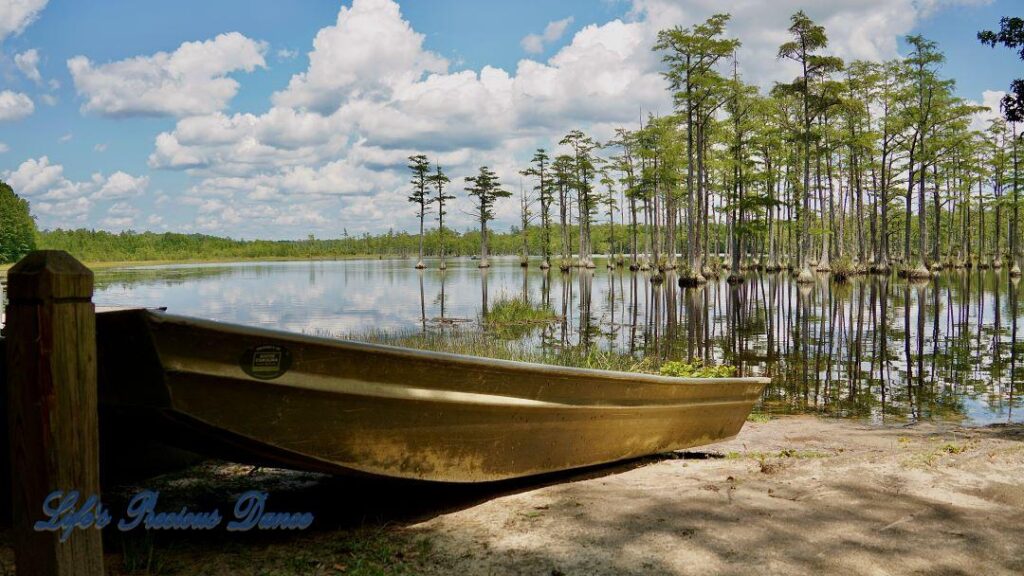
[{"x": 877, "y": 348}]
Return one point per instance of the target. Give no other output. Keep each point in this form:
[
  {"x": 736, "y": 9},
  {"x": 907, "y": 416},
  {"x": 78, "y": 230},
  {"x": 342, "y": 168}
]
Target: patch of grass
[
  {"x": 759, "y": 418},
  {"x": 802, "y": 454},
  {"x": 518, "y": 310},
  {"x": 952, "y": 448},
  {"x": 843, "y": 268},
  {"x": 514, "y": 317},
  {"x": 377, "y": 553},
  {"x": 781, "y": 454},
  {"x": 933, "y": 456},
  {"x": 681, "y": 369}
]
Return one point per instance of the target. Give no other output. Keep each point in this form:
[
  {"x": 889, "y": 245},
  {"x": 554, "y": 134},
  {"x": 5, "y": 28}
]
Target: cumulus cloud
[
  {"x": 371, "y": 50},
  {"x": 15, "y": 105},
  {"x": 28, "y": 63},
  {"x": 16, "y": 15},
  {"x": 189, "y": 81},
  {"x": 61, "y": 201},
  {"x": 534, "y": 43},
  {"x": 39, "y": 178},
  {"x": 370, "y": 81},
  {"x": 4, "y": 148},
  {"x": 121, "y": 185}
]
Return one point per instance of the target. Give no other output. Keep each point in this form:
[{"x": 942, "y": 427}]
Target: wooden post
[{"x": 52, "y": 407}]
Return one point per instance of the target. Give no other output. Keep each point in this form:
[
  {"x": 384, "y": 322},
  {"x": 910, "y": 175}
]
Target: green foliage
[
  {"x": 680, "y": 369},
  {"x": 17, "y": 227},
  {"x": 513, "y": 317},
  {"x": 485, "y": 187},
  {"x": 843, "y": 268},
  {"x": 420, "y": 168},
  {"x": 130, "y": 246},
  {"x": 1010, "y": 35},
  {"x": 518, "y": 310}
]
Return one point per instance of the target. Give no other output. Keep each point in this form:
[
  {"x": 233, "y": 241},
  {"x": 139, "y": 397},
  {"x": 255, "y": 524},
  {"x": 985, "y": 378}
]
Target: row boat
[{"x": 287, "y": 400}]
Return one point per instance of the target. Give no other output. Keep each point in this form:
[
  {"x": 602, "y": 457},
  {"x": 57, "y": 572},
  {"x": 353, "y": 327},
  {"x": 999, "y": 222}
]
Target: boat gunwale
[{"x": 158, "y": 318}]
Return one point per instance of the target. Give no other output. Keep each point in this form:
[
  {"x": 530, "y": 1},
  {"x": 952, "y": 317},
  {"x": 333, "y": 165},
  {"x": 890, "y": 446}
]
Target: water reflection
[{"x": 873, "y": 347}]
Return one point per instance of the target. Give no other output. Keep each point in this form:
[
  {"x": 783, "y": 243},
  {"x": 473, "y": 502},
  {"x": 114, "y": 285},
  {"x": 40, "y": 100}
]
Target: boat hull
[{"x": 273, "y": 398}]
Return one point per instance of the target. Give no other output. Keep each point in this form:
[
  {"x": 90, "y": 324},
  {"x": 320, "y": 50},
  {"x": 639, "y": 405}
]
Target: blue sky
[{"x": 227, "y": 118}]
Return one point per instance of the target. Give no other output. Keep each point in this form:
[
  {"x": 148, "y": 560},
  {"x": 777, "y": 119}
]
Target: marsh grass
[{"x": 516, "y": 317}]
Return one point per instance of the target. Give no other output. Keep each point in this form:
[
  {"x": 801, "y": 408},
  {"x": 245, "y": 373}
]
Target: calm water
[{"x": 874, "y": 348}]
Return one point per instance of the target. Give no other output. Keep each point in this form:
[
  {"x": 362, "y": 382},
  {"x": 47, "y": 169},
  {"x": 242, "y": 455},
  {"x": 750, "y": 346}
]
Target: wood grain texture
[{"x": 52, "y": 407}]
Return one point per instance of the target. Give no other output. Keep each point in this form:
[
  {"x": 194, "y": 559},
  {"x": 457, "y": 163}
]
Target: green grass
[
  {"x": 681, "y": 369},
  {"x": 516, "y": 317},
  {"x": 511, "y": 309}
]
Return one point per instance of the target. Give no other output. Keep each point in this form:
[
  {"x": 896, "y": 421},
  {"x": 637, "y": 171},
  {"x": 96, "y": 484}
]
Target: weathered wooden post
[{"x": 52, "y": 407}]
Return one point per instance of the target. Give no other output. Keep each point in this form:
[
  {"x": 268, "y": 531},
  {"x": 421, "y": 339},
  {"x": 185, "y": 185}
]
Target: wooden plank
[{"x": 52, "y": 407}]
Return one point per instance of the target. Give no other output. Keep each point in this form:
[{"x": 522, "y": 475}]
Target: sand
[
  {"x": 794, "y": 495},
  {"x": 798, "y": 495}
]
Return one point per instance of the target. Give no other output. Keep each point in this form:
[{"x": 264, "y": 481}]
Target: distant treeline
[{"x": 101, "y": 246}]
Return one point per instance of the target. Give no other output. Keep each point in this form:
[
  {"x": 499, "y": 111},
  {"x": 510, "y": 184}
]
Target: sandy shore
[{"x": 795, "y": 495}]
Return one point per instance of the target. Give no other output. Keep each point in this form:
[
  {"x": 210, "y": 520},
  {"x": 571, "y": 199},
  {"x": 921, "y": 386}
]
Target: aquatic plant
[
  {"x": 681, "y": 369},
  {"x": 518, "y": 310}
]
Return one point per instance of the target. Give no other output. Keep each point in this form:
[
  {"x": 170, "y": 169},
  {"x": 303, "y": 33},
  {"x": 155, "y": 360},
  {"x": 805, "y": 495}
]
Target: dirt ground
[{"x": 794, "y": 495}]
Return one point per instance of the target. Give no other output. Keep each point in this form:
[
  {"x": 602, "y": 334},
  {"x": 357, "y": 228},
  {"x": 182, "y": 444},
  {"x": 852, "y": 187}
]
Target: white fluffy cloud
[
  {"x": 16, "y": 15},
  {"x": 370, "y": 51},
  {"x": 191, "y": 80},
  {"x": 28, "y": 63},
  {"x": 15, "y": 105},
  {"x": 38, "y": 178},
  {"x": 121, "y": 185},
  {"x": 534, "y": 43},
  {"x": 61, "y": 201}
]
